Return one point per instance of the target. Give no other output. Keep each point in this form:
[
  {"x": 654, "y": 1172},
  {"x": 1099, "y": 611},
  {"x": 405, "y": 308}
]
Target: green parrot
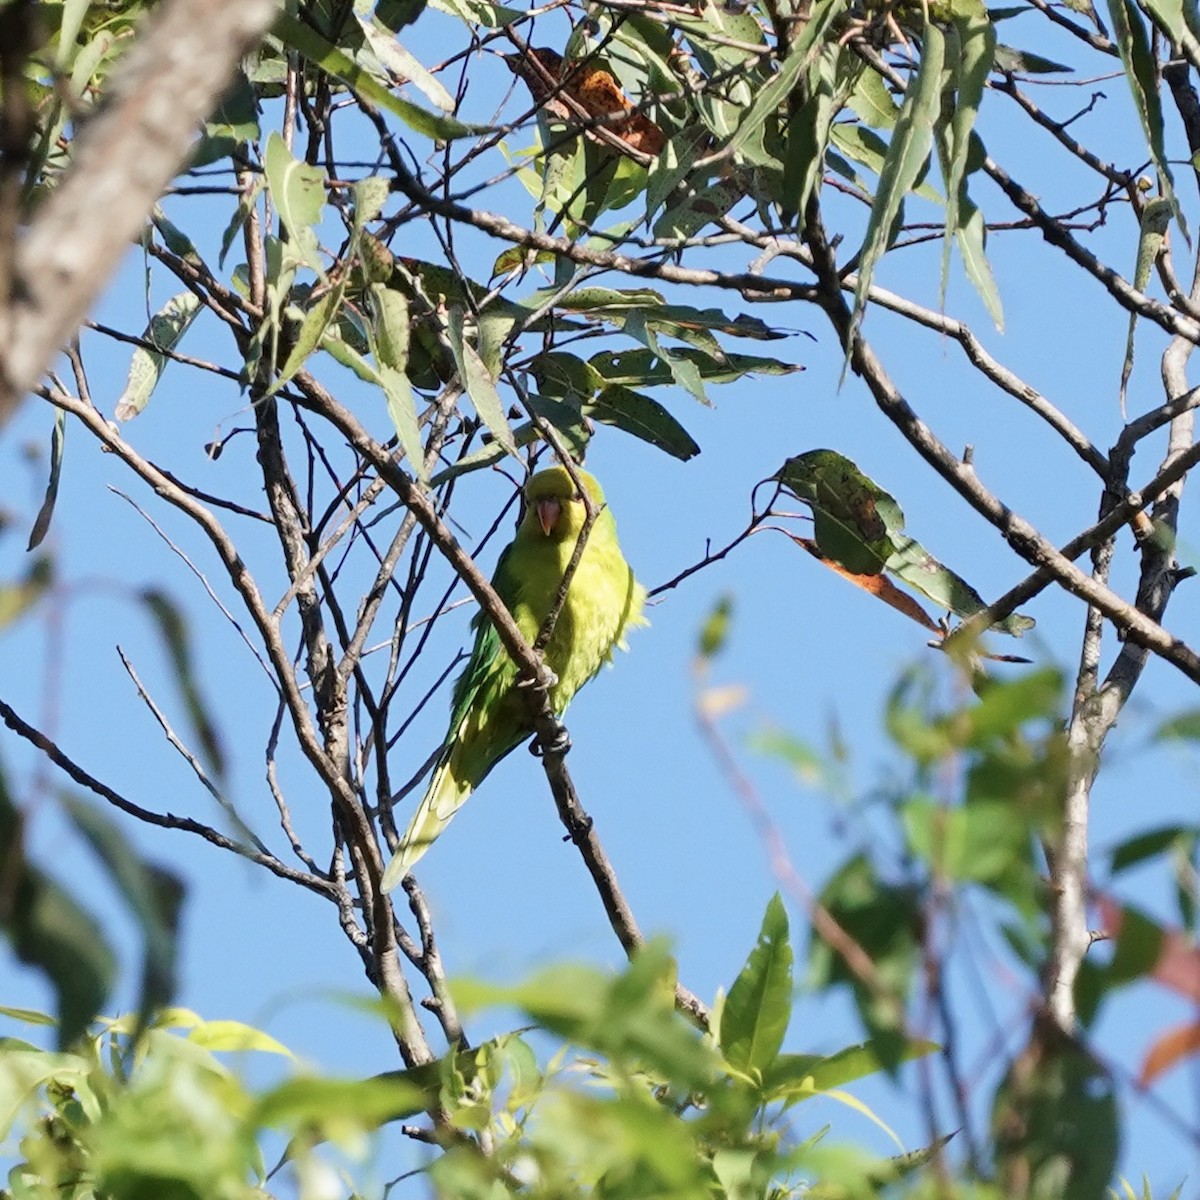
[{"x": 489, "y": 715}]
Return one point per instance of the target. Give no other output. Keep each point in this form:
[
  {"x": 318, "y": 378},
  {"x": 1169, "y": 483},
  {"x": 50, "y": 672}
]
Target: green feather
[{"x": 489, "y": 716}]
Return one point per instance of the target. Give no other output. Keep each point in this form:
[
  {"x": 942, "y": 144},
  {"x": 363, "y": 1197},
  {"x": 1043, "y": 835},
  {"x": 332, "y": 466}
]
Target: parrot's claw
[
  {"x": 579, "y": 832},
  {"x": 559, "y": 744},
  {"x": 546, "y": 679}
]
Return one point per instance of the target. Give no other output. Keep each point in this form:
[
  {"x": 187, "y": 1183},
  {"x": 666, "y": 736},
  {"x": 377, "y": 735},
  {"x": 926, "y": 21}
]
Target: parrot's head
[{"x": 553, "y": 506}]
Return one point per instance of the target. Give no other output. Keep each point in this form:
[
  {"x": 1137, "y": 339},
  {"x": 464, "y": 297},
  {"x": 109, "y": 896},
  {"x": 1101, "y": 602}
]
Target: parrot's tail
[{"x": 446, "y": 794}]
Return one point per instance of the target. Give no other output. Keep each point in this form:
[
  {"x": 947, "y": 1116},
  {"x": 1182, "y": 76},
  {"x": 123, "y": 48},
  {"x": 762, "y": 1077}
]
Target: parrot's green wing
[
  {"x": 488, "y": 657},
  {"x": 485, "y": 725}
]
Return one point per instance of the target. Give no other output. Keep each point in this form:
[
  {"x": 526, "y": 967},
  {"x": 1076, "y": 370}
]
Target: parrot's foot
[
  {"x": 559, "y": 744},
  {"x": 579, "y": 832},
  {"x": 547, "y": 679}
]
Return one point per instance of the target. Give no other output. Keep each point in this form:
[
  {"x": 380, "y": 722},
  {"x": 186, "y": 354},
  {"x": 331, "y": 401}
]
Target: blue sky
[{"x": 507, "y": 894}]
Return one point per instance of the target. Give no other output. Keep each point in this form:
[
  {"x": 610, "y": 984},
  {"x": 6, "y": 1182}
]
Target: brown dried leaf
[
  {"x": 593, "y": 89},
  {"x": 1173, "y": 1047},
  {"x": 878, "y": 585}
]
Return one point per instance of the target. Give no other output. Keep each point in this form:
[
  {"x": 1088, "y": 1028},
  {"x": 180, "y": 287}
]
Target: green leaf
[
  {"x": 772, "y": 94},
  {"x": 852, "y": 515},
  {"x": 644, "y": 368},
  {"x": 1183, "y": 727},
  {"x": 885, "y": 921},
  {"x": 1154, "y": 842},
  {"x": 477, "y": 381},
  {"x": 154, "y": 897},
  {"x": 1140, "y": 942},
  {"x": 1057, "y": 1124},
  {"x": 17, "y": 598},
  {"x": 979, "y": 843},
  {"x": 614, "y": 305},
  {"x": 318, "y": 50},
  {"x": 1141, "y": 72},
  {"x": 41, "y": 523},
  {"x": 758, "y": 1007},
  {"x": 972, "y": 47},
  {"x": 905, "y": 162},
  {"x": 872, "y": 101},
  {"x": 808, "y": 135},
  {"x": 232, "y": 125},
  {"x": 715, "y": 631},
  {"x": 1024, "y": 62},
  {"x": 671, "y": 167},
  {"x": 971, "y": 235},
  {"x": 370, "y": 195},
  {"x": 164, "y": 332},
  {"x": 402, "y": 408},
  {"x": 49, "y": 931},
  {"x": 793, "y": 1077},
  {"x": 298, "y": 190},
  {"x": 403, "y": 65},
  {"x": 643, "y": 417},
  {"x": 312, "y": 332},
  {"x": 480, "y": 12},
  {"x": 236, "y": 1037},
  {"x": 172, "y": 627},
  {"x": 324, "y": 1106},
  {"x": 860, "y": 526},
  {"x": 692, "y": 212}
]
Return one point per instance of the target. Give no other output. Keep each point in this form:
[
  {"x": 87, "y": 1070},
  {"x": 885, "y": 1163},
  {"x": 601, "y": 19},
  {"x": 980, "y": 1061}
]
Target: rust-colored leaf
[
  {"x": 878, "y": 585},
  {"x": 1178, "y": 963},
  {"x": 1173, "y": 1047},
  {"x": 592, "y": 89}
]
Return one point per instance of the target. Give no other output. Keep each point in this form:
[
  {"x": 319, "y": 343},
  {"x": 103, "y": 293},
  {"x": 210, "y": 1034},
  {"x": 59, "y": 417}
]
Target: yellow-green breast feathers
[{"x": 489, "y": 715}]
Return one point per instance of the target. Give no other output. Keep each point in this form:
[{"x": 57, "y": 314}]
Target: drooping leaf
[
  {"x": 1025, "y": 62},
  {"x": 1141, "y": 73},
  {"x": 478, "y": 382},
  {"x": 164, "y": 332},
  {"x": 41, "y": 523},
  {"x": 1156, "y": 219},
  {"x": 402, "y": 64},
  {"x": 771, "y": 95},
  {"x": 971, "y": 48},
  {"x": 643, "y": 368},
  {"x": 153, "y": 894},
  {"x": 878, "y": 585},
  {"x": 17, "y": 598},
  {"x": 298, "y": 190},
  {"x": 852, "y": 515},
  {"x": 312, "y": 332},
  {"x": 972, "y": 240},
  {"x": 322, "y": 53},
  {"x": 643, "y": 417},
  {"x": 907, "y": 154},
  {"x": 1056, "y": 1122},
  {"x": 808, "y": 135},
  {"x": 172, "y": 628},
  {"x": 51, "y": 932},
  {"x": 860, "y": 526}
]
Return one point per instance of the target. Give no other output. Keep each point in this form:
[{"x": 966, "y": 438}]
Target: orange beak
[{"x": 548, "y": 512}]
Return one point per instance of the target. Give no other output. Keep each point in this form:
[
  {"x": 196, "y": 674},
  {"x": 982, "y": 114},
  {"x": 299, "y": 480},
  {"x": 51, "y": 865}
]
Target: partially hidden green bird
[{"x": 489, "y": 715}]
